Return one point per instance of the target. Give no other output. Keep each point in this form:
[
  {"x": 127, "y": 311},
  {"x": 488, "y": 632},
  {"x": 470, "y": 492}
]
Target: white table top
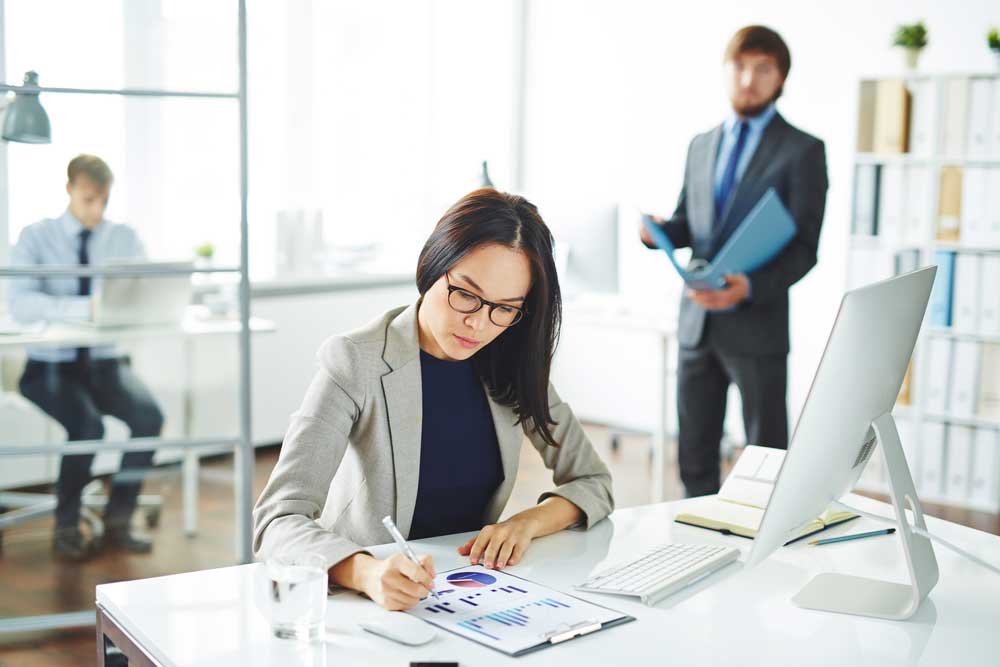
[
  {"x": 733, "y": 617},
  {"x": 61, "y": 334}
]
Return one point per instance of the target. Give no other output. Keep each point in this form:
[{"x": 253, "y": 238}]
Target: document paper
[{"x": 505, "y": 612}]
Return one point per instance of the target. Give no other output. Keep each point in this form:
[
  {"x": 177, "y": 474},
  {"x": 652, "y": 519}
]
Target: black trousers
[
  {"x": 77, "y": 394},
  {"x": 703, "y": 377}
]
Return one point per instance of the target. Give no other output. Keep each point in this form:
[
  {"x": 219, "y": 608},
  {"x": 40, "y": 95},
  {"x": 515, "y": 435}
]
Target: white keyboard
[{"x": 661, "y": 571}]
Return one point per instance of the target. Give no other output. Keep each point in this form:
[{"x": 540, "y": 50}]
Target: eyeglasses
[{"x": 468, "y": 303}]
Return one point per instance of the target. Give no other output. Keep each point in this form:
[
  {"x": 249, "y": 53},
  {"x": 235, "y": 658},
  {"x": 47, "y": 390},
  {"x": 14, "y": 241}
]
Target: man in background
[
  {"x": 78, "y": 386},
  {"x": 740, "y": 333}
]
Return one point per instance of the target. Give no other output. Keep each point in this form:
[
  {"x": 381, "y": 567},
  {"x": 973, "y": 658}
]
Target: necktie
[
  {"x": 83, "y": 289},
  {"x": 729, "y": 175}
]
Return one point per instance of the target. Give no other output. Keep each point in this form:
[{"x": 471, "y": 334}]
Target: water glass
[{"x": 291, "y": 593}]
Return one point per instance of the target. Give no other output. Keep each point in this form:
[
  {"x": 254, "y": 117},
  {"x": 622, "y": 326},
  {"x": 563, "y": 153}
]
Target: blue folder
[{"x": 764, "y": 233}]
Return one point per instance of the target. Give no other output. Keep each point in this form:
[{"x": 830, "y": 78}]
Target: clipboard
[
  {"x": 475, "y": 596},
  {"x": 762, "y": 234}
]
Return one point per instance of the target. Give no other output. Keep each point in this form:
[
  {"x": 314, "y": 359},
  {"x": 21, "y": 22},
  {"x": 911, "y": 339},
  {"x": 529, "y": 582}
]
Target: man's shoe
[
  {"x": 122, "y": 537},
  {"x": 68, "y": 544}
]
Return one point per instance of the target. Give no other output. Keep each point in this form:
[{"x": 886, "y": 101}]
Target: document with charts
[{"x": 508, "y": 613}]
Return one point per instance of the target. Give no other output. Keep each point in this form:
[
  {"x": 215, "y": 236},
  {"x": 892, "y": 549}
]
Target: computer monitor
[{"x": 847, "y": 411}]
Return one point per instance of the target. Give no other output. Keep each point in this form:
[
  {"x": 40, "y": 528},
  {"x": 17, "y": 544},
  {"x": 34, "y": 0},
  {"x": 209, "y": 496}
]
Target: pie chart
[{"x": 471, "y": 579}]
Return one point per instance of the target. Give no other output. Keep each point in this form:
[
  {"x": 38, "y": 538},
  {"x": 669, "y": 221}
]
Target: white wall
[{"x": 616, "y": 90}]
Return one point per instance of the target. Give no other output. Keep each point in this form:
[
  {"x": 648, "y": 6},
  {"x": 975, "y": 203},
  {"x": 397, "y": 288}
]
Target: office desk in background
[
  {"x": 192, "y": 328},
  {"x": 733, "y": 617}
]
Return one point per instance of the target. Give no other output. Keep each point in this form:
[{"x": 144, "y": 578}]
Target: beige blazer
[{"x": 352, "y": 451}]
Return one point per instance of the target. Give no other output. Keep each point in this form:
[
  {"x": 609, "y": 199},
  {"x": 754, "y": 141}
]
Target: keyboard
[{"x": 661, "y": 571}]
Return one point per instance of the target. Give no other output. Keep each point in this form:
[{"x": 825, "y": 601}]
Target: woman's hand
[
  {"x": 501, "y": 544},
  {"x": 395, "y": 583}
]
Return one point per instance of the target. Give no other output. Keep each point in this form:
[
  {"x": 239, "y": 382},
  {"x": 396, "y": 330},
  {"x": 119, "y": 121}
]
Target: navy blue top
[{"x": 460, "y": 466}]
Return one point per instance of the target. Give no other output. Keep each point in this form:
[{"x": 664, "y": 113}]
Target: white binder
[
  {"x": 932, "y": 435},
  {"x": 978, "y": 136},
  {"x": 989, "y": 301},
  {"x": 936, "y": 387},
  {"x": 919, "y": 223},
  {"x": 965, "y": 293},
  {"x": 974, "y": 230},
  {"x": 985, "y": 482},
  {"x": 891, "y": 210},
  {"x": 956, "y": 111},
  {"x": 988, "y": 400},
  {"x": 993, "y": 204},
  {"x": 994, "y": 149},
  {"x": 959, "y": 461},
  {"x": 964, "y": 380},
  {"x": 923, "y": 107},
  {"x": 865, "y": 189}
]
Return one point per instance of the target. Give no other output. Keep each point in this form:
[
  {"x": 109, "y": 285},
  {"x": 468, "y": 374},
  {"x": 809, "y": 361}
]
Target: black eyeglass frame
[{"x": 482, "y": 302}]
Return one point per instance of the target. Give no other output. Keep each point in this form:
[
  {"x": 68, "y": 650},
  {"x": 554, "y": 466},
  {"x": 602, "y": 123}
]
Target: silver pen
[{"x": 403, "y": 546}]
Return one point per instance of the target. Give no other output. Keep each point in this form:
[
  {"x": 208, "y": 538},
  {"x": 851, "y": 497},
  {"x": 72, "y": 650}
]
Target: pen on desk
[
  {"x": 403, "y": 546},
  {"x": 845, "y": 538}
]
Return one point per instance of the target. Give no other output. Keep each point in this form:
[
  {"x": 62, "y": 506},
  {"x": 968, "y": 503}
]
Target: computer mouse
[{"x": 400, "y": 627}]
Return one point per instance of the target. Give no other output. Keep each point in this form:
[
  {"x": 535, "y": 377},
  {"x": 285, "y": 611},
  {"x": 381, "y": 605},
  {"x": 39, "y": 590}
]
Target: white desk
[
  {"x": 734, "y": 617},
  {"x": 70, "y": 335}
]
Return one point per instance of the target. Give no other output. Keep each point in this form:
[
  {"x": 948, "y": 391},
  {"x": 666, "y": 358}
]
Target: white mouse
[{"x": 400, "y": 627}]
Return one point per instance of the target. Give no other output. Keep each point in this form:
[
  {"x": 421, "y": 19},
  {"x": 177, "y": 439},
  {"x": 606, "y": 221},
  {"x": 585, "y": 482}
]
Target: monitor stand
[{"x": 861, "y": 596}]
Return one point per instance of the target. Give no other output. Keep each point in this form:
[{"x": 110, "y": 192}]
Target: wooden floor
[{"x": 32, "y": 583}]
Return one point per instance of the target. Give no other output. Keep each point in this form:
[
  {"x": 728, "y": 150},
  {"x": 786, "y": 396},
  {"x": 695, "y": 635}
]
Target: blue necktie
[
  {"x": 729, "y": 175},
  {"x": 83, "y": 288}
]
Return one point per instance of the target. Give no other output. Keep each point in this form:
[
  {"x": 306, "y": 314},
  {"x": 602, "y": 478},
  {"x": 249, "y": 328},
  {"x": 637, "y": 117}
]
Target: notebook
[{"x": 739, "y": 506}]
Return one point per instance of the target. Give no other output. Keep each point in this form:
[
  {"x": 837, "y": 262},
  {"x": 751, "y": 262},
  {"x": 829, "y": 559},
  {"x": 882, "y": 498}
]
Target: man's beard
[{"x": 751, "y": 110}]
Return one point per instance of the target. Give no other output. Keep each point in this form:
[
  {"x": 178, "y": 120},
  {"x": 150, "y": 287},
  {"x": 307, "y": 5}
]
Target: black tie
[{"x": 83, "y": 353}]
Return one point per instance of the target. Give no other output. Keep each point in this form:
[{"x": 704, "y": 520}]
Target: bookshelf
[{"x": 926, "y": 190}]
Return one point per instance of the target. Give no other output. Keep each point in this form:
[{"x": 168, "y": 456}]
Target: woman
[{"x": 420, "y": 415}]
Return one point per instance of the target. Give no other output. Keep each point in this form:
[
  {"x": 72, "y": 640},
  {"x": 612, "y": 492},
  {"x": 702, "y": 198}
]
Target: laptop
[{"x": 147, "y": 300}]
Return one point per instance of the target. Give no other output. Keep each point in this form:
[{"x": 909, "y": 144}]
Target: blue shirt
[
  {"x": 56, "y": 242},
  {"x": 460, "y": 466},
  {"x": 730, "y": 131}
]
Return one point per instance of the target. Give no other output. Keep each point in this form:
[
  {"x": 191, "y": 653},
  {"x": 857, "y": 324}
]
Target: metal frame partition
[{"x": 242, "y": 445}]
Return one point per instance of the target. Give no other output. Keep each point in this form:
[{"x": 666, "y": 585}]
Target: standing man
[
  {"x": 78, "y": 386},
  {"x": 740, "y": 333}
]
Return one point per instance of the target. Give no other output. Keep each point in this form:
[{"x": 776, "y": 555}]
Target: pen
[
  {"x": 403, "y": 546},
  {"x": 844, "y": 538}
]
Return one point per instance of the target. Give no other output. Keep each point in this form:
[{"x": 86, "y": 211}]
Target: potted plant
[
  {"x": 911, "y": 38},
  {"x": 203, "y": 255},
  {"x": 993, "y": 40}
]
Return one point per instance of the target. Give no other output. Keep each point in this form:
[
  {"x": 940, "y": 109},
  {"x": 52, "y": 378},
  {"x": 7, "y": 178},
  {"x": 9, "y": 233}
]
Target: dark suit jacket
[{"x": 794, "y": 164}]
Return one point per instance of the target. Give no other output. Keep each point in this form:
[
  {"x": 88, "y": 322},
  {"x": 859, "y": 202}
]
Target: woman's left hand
[{"x": 501, "y": 544}]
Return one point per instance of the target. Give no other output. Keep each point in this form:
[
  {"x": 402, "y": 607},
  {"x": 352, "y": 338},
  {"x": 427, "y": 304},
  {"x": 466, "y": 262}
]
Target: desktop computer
[{"x": 847, "y": 413}]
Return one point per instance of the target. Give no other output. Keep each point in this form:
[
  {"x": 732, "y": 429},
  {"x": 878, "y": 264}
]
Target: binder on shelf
[
  {"x": 959, "y": 460},
  {"x": 866, "y": 116},
  {"x": 994, "y": 148},
  {"x": 964, "y": 380},
  {"x": 984, "y": 486},
  {"x": 974, "y": 218},
  {"x": 905, "y": 396},
  {"x": 956, "y": 111},
  {"x": 932, "y": 437},
  {"x": 949, "y": 204},
  {"x": 965, "y": 293},
  {"x": 978, "y": 137},
  {"x": 988, "y": 403},
  {"x": 906, "y": 260},
  {"x": 941, "y": 293},
  {"x": 866, "y": 195},
  {"x": 989, "y": 301},
  {"x": 892, "y": 116},
  {"x": 919, "y": 204},
  {"x": 992, "y": 231},
  {"x": 867, "y": 266},
  {"x": 891, "y": 203},
  {"x": 923, "y": 105},
  {"x": 936, "y": 388},
  {"x": 908, "y": 434}
]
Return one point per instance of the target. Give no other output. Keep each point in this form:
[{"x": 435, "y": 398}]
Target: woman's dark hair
[{"x": 515, "y": 366}]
